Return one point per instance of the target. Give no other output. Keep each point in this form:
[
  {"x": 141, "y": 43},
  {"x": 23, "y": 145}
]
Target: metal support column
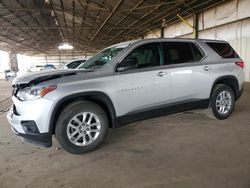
[
  {"x": 196, "y": 25},
  {"x": 162, "y": 32},
  {"x": 59, "y": 56},
  {"x": 13, "y": 61},
  {"x": 46, "y": 59}
]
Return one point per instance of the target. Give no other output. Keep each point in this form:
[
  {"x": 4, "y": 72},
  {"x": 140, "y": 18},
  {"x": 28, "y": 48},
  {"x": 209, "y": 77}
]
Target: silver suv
[{"x": 124, "y": 83}]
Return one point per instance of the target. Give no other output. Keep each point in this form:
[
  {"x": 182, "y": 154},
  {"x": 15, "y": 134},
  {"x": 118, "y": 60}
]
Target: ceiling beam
[
  {"x": 123, "y": 18},
  {"x": 15, "y": 34},
  {"x": 170, "y": 12},
  {"x": 64, "y": 18},
  {"x": 139, "y": 19},
  {"x": 84, "y": 16},
  {"x": 22, "y": 20},
  {"x": 105, "y": 21},
  {"x": 94, "y": 23},
  {"x": 32, "y": 17},
  {"x": 19, "y": 42},
  {"x": 172, "y": 18},
  {"x": 47, "y": 10}
]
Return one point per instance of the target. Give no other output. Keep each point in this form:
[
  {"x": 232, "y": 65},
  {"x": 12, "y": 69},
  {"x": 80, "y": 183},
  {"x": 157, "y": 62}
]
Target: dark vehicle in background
[{"x": 49, "y": 66}]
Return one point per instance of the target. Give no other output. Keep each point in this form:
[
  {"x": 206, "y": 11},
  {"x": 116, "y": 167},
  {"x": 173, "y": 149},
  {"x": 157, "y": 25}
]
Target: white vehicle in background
[
  {"x": 73, "y": 64},
  {"x": 36, "y": 68},
  {"x": 8, "y": 74}
]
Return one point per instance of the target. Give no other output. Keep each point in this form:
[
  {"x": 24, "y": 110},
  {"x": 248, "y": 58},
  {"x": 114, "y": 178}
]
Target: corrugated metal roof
[{"x": 39, "y": 26}]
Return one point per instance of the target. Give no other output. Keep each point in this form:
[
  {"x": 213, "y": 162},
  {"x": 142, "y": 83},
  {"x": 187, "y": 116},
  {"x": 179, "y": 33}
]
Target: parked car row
[
  {"x": 75, "y": 64},
  {"x": 36, "y": 68}
]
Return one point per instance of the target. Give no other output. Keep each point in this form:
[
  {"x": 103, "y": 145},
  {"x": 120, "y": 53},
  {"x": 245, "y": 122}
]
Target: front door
[{"x": 140, "y": 83}]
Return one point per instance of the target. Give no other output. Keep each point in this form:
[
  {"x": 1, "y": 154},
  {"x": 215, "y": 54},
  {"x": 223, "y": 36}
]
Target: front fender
[{"x": 100, "y": 98}]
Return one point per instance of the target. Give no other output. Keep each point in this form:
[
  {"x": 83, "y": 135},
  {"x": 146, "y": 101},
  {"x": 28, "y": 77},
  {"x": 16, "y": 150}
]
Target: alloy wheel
[
  {"x": 224, "y": 102},
  {"x": 83, "y": 128}
]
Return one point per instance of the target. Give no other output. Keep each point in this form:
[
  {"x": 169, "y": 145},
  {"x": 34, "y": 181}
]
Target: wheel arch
[
  {"x": 229, "y": 80},
  {"x": 97, "y": 97}
]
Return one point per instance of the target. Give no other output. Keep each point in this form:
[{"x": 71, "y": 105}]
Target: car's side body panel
[{"x": 130, "y": 95}]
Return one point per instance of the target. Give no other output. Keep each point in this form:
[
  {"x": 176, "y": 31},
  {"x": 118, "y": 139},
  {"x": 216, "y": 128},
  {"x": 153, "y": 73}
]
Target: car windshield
[{"x": 102, "y": 58}]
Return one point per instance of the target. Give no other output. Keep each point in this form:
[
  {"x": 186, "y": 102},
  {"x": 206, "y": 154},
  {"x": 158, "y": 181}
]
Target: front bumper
[
  {"x": 41, "y": 139},
  {"x": 30, "y": 120}
]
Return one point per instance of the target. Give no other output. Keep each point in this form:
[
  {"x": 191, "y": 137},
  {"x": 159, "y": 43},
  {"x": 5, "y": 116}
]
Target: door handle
[
  {"x": 207, "y": 68},
  {"x": 162, "y": 74}
]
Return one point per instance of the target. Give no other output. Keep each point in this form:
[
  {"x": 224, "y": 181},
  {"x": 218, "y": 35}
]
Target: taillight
[{"x": 240, "y": 63}]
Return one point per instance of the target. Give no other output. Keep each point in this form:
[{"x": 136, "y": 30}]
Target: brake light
[{"x": 240, "y": 63}]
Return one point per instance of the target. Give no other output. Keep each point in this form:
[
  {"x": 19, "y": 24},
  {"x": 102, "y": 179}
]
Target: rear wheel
[
  {"x": 222, "y": 102},
  {"x": 81, "y": 127}
]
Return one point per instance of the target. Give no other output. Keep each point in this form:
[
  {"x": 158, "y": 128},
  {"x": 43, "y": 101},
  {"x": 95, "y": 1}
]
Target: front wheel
[
  {"x": 81, "y": 127},
  {"x": 222, "y": 102}
]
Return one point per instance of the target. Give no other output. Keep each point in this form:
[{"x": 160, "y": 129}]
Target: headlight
[{"x": 30, "y": 93}]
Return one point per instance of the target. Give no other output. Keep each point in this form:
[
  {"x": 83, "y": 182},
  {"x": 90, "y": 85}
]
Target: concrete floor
[
  {"x": 5, "y": 89},
  {"x": 181, "y": 150}
]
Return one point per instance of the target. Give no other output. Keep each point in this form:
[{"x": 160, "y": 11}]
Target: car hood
[{"x": 45, "y": 75}]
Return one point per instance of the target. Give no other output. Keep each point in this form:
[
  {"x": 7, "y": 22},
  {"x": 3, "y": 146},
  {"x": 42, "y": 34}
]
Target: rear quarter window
[{"x": 223, "y": 49}]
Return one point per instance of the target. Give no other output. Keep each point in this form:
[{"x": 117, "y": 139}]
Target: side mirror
[{"x": 127, "y": 63}]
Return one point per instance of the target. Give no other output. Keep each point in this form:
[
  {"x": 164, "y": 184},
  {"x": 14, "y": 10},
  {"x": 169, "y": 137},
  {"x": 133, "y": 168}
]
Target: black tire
[
  {"x": 213, "y": 111},
  {"x": 66, "y": 116}
]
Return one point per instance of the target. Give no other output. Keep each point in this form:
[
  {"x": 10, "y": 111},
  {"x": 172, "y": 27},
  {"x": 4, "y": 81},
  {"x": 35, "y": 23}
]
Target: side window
[
  {"x": 181, "y": 52},
  {"x": 223, "y": 49},
  {"x": 147, "y": 55}
]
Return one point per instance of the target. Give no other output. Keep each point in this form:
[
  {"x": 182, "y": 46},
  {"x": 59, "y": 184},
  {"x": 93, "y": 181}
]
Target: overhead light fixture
[{"x": 65, "y": 46}]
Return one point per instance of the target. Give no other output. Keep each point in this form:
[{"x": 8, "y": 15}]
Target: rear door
[{"x": 188, "y": 75}]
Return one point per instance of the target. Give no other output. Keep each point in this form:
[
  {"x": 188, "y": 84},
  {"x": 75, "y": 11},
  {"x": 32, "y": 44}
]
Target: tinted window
[
  {"x": 181, "y": 52},
  {"x": 147, "y": 55},
  {"x": 223, "y": 49}
]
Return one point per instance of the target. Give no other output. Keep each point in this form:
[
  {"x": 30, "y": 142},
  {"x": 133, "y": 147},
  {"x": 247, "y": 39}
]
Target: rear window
[
  {"x": 181, "y": 52},
  {"x": 223, "y": 49}
]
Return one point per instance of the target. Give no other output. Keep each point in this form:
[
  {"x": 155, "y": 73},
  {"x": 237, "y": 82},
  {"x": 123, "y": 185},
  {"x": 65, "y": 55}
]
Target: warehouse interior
[
  {"x": 181, "y": 150},
  {"x": 31, "y": 31}
]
